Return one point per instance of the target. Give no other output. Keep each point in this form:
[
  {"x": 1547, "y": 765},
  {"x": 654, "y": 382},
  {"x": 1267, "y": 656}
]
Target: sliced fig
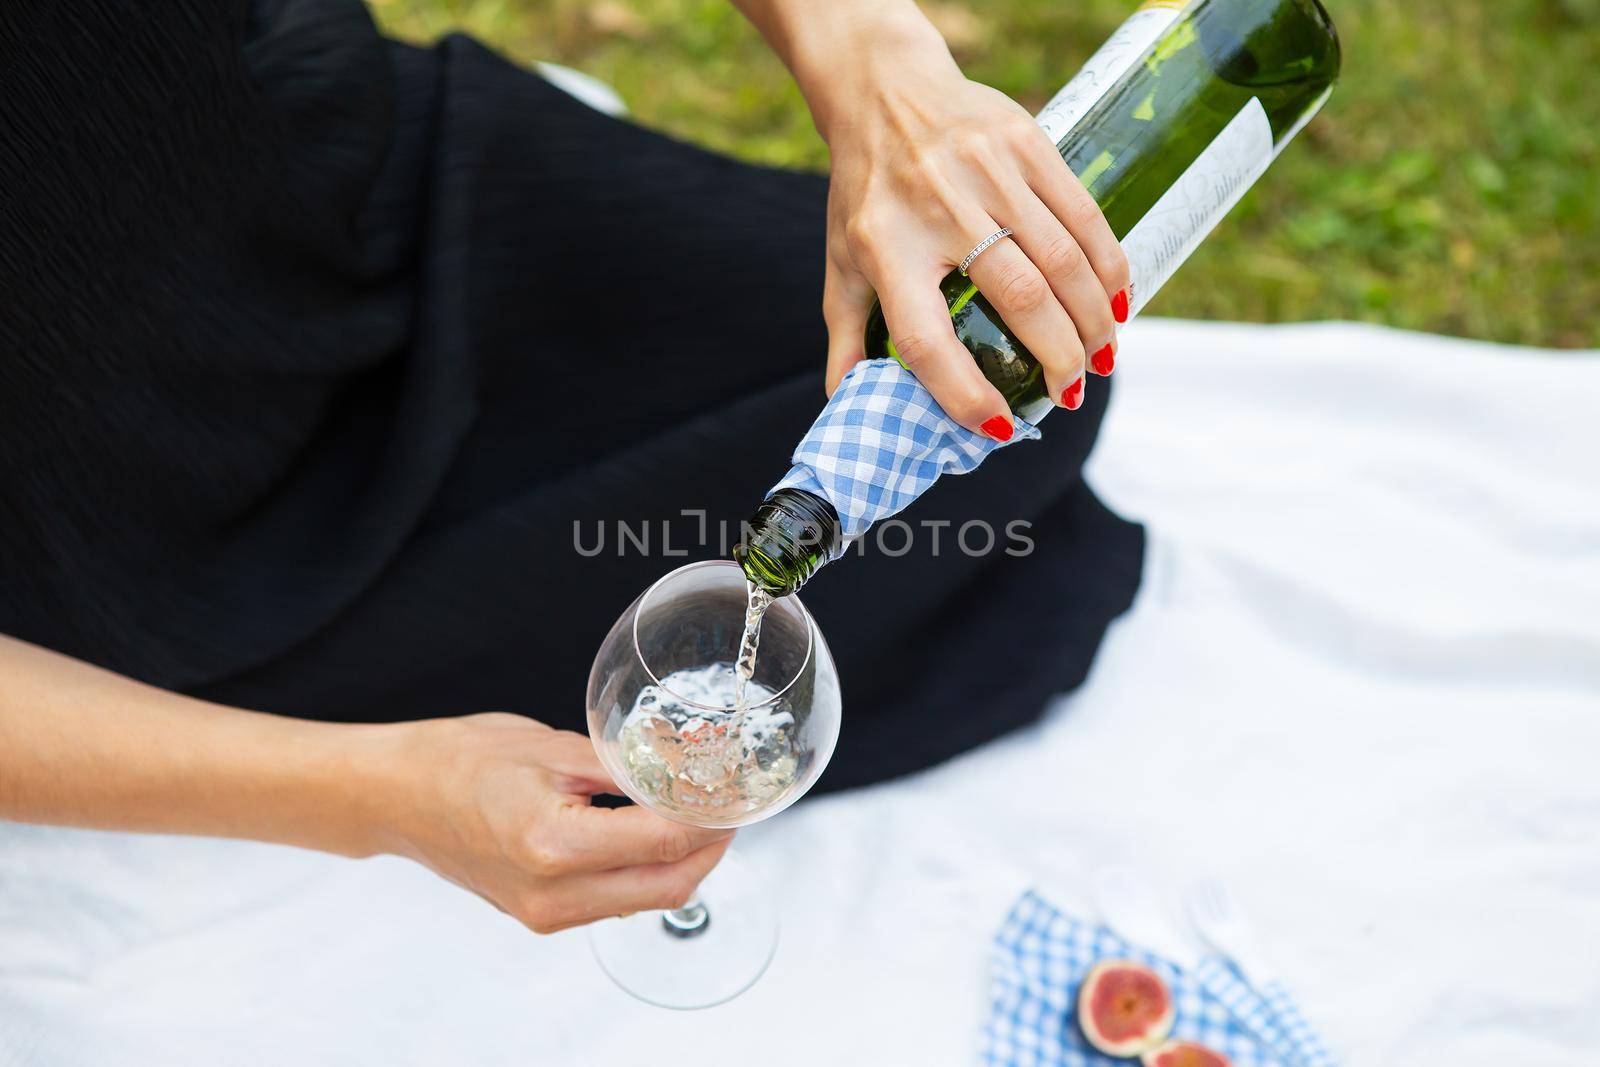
[
  {"x": 1124, "y": 1008},
  {"x": 1184, "y": 1054}
]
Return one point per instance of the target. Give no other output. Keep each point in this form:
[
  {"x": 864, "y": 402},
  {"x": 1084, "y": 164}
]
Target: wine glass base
[{"x": 700, "y": 969}]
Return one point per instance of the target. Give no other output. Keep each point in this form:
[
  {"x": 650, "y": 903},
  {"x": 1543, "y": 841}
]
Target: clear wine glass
[{"x": 663, "y": 720}]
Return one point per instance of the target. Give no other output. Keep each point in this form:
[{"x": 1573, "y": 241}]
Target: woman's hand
[
  {"x": 496, "y": 803},
  {"x": 925, "y": 165},
  {"x": 499, "y": 804}
]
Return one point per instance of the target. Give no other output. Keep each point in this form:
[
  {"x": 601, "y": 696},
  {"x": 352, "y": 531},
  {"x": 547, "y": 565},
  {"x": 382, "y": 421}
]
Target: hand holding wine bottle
[
  {"x": 1166, "y": 126},
  {"x": 926, "y": 165}
]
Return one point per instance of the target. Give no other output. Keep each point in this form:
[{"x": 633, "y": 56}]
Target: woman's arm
[
  {"x": 925, "y": 165},
  {"x": 496, "y": 803}
]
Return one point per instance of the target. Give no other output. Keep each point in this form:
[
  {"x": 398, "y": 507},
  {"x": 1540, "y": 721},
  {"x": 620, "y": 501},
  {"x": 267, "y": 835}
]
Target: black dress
[{"x": 323, "y": 360}]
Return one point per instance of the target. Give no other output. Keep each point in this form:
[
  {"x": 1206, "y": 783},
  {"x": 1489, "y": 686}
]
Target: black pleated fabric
[{"x": 322, "y": 356}]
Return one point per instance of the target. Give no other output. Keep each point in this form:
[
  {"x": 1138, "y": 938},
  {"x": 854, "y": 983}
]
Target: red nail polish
[
  {"x": 998, "y": 428},
  {"x": 1072, "y": 395},
  {"x": 1119, "y": 306},
  {"x": 1102, "y": 361}
]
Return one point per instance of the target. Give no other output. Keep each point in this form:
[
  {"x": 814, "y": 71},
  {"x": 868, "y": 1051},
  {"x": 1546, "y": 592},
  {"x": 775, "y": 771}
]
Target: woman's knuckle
[
  {"x": 1023, "y": 132},
  {"x": 1084, "y": 215},
  {"x": 1022, "y": 290},
  {"x": 921, "y": 157},
  {"x": 974, "y": 150},
  {"x": 915, "y": 350},
  {"x": 547, "y": 858},
  {"x": 1063, "y": 258},
  {"x": 944, "y": 205},
  {"x": 538, "y": 916},
  {"x": 860, "y": 232},
  {"x": 673, "y": 846},
  {"x": 863, "y": 253}
]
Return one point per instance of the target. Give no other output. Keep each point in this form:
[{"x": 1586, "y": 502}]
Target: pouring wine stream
[{"x": 755, "y": 610}]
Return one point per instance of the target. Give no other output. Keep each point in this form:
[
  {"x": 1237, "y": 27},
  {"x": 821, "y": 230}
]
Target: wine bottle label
[
  {"x": 1122, "y": 50},
  {"x": 1205, "y": 192}
]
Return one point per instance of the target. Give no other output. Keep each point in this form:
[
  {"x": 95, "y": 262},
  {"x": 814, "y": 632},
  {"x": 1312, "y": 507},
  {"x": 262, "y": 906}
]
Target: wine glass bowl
[{"x": 662, "y": 704}]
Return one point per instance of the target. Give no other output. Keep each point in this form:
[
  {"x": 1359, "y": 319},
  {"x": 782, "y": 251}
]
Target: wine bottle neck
[{"x": 788, "y": 539}]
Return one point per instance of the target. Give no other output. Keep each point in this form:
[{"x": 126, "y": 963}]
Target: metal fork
[{"x": 1230, "y": 934}]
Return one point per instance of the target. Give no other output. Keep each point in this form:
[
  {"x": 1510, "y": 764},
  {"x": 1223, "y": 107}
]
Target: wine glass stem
[{"x": 690, "y": 920}]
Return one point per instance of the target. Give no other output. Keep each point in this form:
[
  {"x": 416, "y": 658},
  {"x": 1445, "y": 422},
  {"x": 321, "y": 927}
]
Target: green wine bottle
[{"x": 1167, "y": 126}]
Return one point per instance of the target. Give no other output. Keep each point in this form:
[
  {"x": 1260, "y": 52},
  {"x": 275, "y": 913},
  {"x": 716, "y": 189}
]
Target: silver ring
[{"x": 983, "y": 246}]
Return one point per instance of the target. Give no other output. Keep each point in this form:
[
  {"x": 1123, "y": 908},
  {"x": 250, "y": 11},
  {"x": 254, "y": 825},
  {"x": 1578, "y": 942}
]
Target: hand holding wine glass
[{"x": 499, "y": 804}]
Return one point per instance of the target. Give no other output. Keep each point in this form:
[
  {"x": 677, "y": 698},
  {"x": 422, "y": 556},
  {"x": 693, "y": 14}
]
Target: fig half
[
  {"x": 1124, "y": 1008},
  {"x": 1184, "y": 1054}
]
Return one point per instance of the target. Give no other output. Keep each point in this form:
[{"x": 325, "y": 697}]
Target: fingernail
[
  {"x": 998, "y": 428},
  {"x": 1072, "y": 395},
  {"x": 1103, "y": 361},
  {"x": 1119, "y": 306}
]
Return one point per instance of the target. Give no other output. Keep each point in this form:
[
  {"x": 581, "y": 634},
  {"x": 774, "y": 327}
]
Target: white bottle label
[
  {"x": 1177, "y": 223},
  {"x": 1122, "y": 50}
]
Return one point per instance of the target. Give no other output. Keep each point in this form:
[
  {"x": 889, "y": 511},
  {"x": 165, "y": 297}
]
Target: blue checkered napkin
[
  {"x": 1312, "y": 1052},
  {"x": 1041, "y": 957},
  {"x": 1217, "y": 977},
  {"x": 879, "y": 443}
]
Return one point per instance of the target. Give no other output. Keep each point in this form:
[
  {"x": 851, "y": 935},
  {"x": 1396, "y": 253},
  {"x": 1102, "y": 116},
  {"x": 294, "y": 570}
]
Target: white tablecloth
[{"x": 1361, "y": 683}]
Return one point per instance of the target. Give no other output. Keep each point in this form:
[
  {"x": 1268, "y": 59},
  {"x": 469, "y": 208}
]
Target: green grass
[{"x": 1452, "y": 184}]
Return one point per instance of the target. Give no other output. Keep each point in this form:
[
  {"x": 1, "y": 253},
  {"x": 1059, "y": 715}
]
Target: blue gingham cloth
[
  {"x": 1041, "y": 957},
  {"x": 879, "y": 443}
]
